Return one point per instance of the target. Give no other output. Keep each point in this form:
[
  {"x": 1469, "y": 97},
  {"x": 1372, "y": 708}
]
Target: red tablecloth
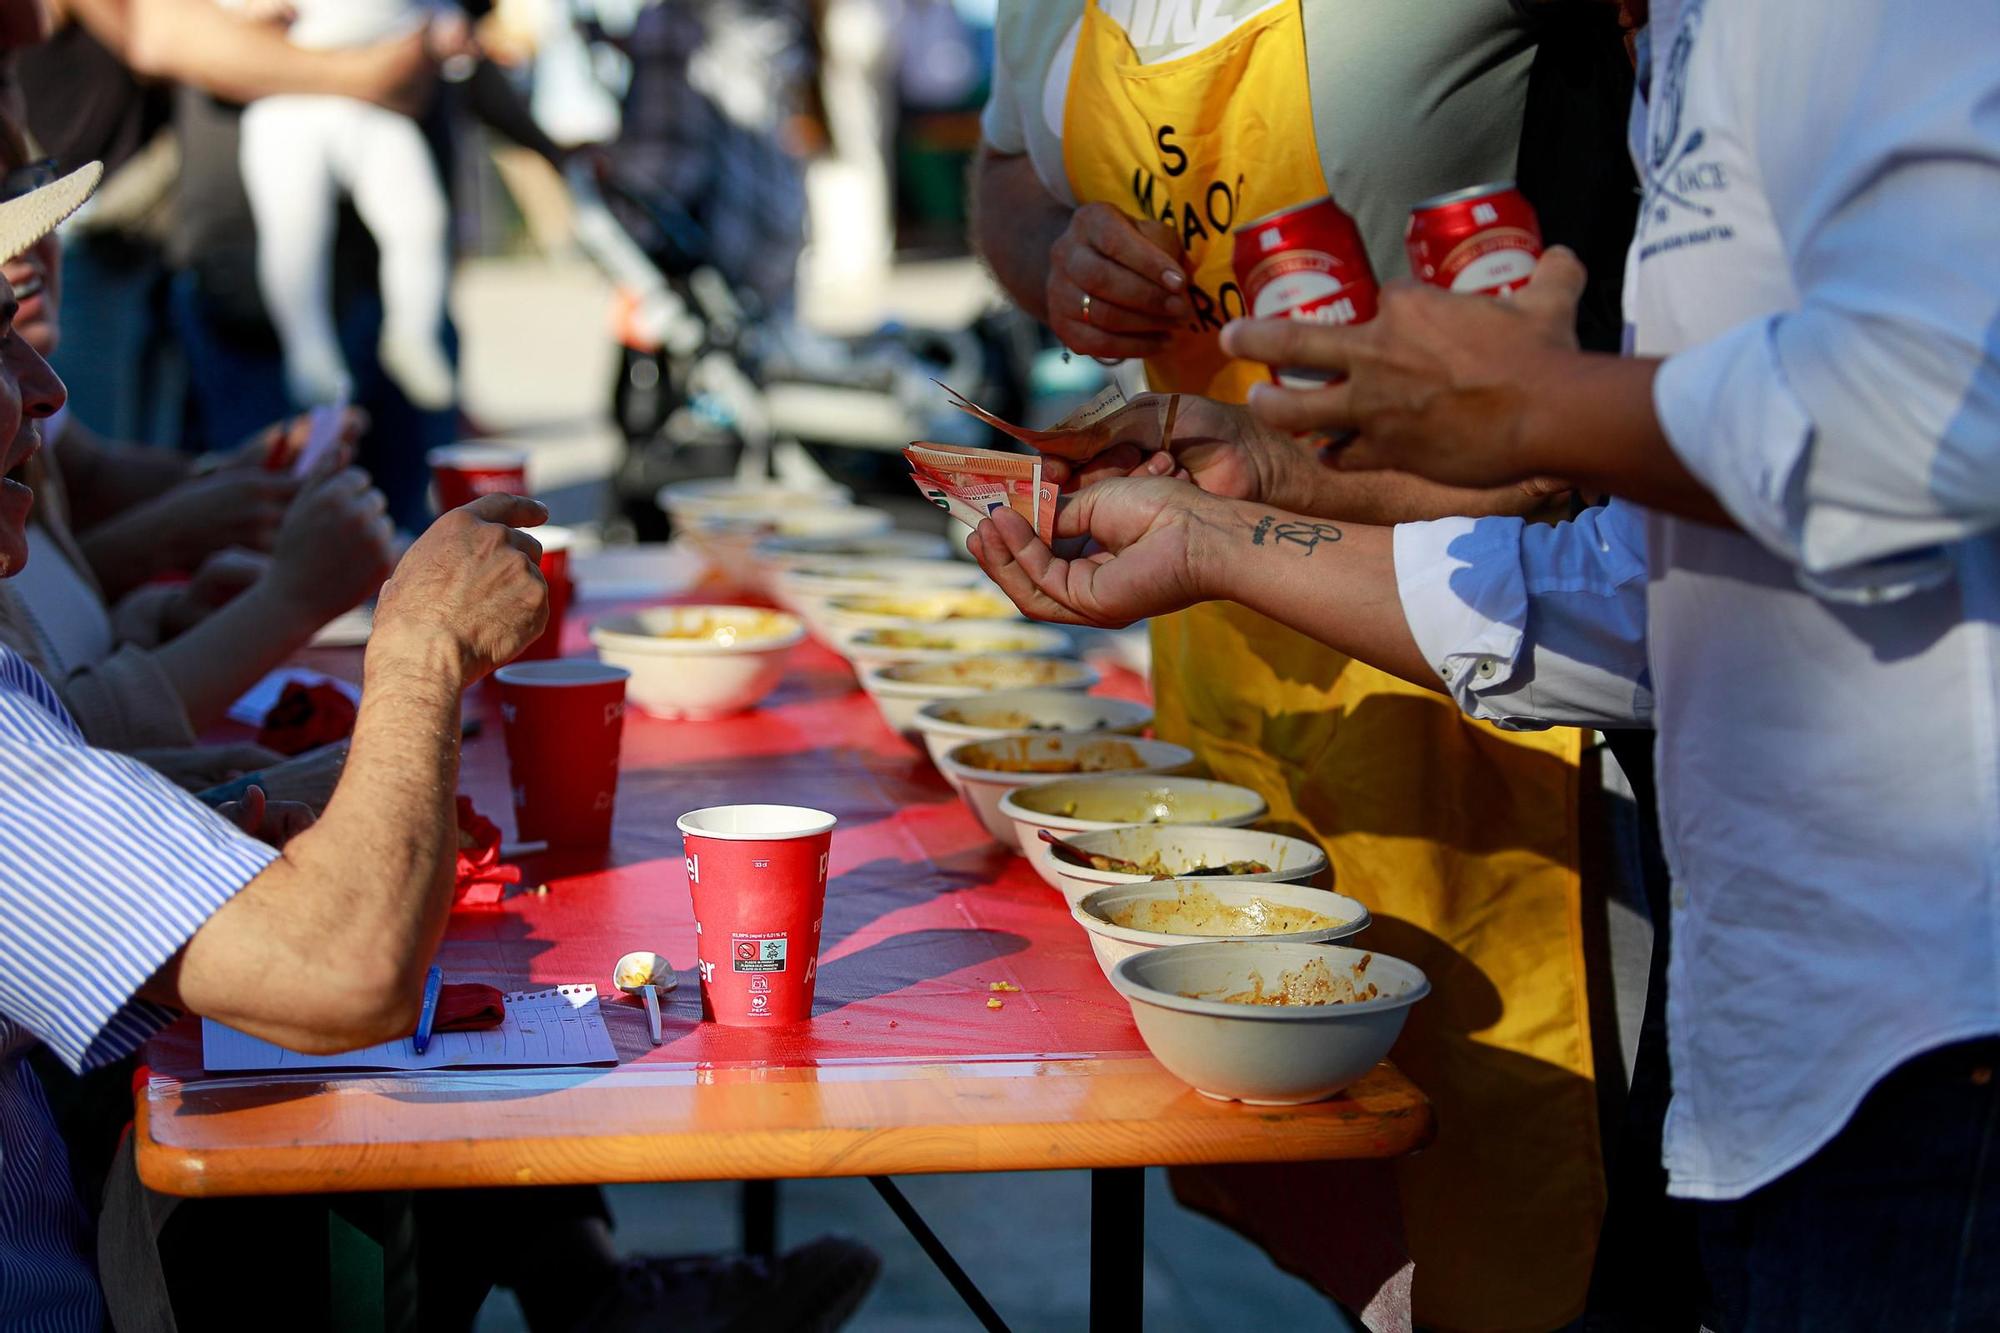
[{"x": 923, "y": 911}]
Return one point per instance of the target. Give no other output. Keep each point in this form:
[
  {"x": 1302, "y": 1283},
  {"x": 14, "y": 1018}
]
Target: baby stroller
[{"x": 697, "y": 212}]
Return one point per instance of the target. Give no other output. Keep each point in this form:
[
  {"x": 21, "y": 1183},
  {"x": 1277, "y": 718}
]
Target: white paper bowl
[
  {"x": 1189, "y": 846},
  {"x": 698, "y": 678},
  {"x": 805, "y": 585},
  {"x": 947, "y": 641},
  {"x": 781, "y": 552},
  {"x": 729, "y": 542},
  {"x": 1113, "y": 943},
  {"x": 981, "y": 787},
  {"x": 945, "y": 723},
  {"x": 1266, "y": 1055},
  {"x": 686, "y": 502},
  {"x": 1116, "y": 801},
  {"x": 901, "y": 689},
  {"x": 920, "y": 608}
]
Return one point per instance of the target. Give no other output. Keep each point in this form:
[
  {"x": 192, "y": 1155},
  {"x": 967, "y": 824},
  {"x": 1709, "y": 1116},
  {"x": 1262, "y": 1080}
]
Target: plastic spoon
[
  {"x": 645, "y": 974},
  {"x": 1084, "y": 858}
]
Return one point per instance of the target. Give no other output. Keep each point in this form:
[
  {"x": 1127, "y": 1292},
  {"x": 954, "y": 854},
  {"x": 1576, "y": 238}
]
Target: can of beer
[
  {"x": 1305, "y": 262},
  {"x": 1483, "y": 240}
]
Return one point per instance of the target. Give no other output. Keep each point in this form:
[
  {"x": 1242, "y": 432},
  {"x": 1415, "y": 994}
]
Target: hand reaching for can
[{"x": 1116, "y": 286}]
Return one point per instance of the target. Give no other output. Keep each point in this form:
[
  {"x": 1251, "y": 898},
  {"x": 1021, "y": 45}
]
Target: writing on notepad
[{"x": 562, "y": 1025}]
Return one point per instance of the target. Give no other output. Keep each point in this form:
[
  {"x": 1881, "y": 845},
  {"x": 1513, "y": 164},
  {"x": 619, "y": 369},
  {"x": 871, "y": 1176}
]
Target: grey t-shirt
[{"x": 1410, "y": 98}]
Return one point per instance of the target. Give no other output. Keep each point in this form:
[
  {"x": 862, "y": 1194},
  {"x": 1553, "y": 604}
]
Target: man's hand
[
  {"x": 1130, "y": 271},
  {"x": 1438, "y": 384},
  {"x": 1153, "y": 536},
  {"x": 221, "y": 578},
  {"x": 308, "y": 779},
  {"x": 472, "y": 582},
  {"x": 277, "y": 446},
  {"x": 275, "y": 822},
  {"x": 200, "y": 767},
  {"x": 399, "y": 74},
  {"x": 230, "y": 507},
  {"x": 1216, "y": 445},
  {"x": 335, "y": 548}
]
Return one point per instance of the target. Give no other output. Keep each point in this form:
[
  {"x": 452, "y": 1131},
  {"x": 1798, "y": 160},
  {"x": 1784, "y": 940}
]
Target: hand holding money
[{"x": 971, "y": 484}]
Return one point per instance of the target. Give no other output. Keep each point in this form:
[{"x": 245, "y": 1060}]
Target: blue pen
[{"x": 433, "y": 983}]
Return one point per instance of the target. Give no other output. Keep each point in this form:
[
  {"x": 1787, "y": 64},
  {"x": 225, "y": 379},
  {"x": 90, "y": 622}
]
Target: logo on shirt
[{"x": 1682, "y": 174}]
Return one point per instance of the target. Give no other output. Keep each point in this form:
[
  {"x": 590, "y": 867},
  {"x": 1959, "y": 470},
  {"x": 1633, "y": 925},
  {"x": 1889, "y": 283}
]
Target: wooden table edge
[{"x": 801, "y": 1152}]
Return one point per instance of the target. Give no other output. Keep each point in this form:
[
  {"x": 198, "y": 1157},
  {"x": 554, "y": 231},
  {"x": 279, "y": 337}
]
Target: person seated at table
[
  {"x": 123, "y": 899},
  {"x": 155, "y": 676}
]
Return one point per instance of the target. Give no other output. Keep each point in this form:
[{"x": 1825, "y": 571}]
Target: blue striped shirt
[{"x": 106, "y": 870}]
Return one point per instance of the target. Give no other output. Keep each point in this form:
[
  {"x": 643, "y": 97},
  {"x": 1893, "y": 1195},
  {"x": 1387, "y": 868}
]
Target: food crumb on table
[
  {"x": 1003, "y": 986},
  {"x": 993, "y": 1003}
]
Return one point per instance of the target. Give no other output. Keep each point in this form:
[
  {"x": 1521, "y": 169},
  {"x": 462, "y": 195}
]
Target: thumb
[
  {"x": 1557, "y": 282},
  {"x": 249, "y": 812}
]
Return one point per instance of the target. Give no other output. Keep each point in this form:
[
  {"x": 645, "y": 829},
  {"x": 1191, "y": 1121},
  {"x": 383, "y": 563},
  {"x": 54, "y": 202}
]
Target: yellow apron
[{"x": 1460, "y": 837}]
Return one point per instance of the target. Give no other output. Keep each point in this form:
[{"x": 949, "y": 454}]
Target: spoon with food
[{"x": 645, "y": 974}]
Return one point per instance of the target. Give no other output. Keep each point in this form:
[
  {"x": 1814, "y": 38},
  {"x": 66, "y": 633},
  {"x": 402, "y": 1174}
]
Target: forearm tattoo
[{"x": 1305, "y": 536}]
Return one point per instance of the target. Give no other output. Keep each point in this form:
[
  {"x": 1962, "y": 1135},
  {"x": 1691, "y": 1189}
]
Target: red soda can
[
  {"x": 1483, "y": 240},
  {"x": 1305, "y": 262}
]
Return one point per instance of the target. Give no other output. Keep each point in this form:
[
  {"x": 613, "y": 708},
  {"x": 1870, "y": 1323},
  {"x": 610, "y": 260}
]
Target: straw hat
[{"x": 25, "y": 220}]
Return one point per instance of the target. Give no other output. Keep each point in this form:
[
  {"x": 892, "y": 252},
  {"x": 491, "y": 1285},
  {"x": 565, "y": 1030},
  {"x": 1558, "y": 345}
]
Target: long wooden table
[{"x": 904, "y": 1069}]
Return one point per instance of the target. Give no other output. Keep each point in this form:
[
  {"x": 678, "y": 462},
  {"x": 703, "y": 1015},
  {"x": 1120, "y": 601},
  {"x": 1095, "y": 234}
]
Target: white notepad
[{"x": 559, "y": 1026}]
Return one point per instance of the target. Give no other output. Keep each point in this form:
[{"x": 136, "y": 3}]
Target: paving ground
[{"x": 538, "y": 369}]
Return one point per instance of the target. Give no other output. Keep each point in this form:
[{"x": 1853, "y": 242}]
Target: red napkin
[
  {"x": 307, "y": 717},
  {"x": 482, "y": 880},
  {"x": 468, "y": 1006}
]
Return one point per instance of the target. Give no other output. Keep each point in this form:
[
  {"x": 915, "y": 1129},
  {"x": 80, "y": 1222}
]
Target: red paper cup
[
  {"x": 461, "y": 473},
  {"x": 563, "y": 721},
  {"x": 758, "y": 876},
  {"x": 555, "y": 570}
]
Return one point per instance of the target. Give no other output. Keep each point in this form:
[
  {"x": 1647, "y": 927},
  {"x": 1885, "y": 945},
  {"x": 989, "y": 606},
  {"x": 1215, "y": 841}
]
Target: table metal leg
[
  {"x": 760, "y": 1218},
  {"x": 372, "y": 1263},
  {"x": 961, "y": 1281},
  {"x": 1117, "y": 1249}
]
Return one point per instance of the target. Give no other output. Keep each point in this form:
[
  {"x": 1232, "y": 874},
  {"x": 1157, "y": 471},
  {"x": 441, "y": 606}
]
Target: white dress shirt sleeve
[
  {"x": 1858, "y": 435},
  {"x": 1532, "y": 625}
]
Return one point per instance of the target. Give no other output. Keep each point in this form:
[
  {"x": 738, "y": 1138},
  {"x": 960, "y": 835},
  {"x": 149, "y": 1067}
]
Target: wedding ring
[{"x": 1086, "y": 307}]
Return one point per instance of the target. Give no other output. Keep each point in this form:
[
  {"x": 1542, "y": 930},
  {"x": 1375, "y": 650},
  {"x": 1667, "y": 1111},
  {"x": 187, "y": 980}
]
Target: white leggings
[{"x": 299, "y": 154}]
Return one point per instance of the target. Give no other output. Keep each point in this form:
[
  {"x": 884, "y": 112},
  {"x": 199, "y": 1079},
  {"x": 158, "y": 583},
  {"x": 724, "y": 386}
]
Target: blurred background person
[{"x": 301, "y": 154}]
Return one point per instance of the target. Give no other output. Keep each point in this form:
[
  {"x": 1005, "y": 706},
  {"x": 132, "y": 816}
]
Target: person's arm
[
  {"x": 1048, "y": 257},
  {"x": 1858, "y": 434},
  {"x": 197, "y": 42},
  {"x": 1472, "y": 392},
  {"x": 1226, "y": 451},
  {"x": 173, "y": 532},
  {"x": 333, "y": 550},
  {"x": 104, "y": 477},
  {"x": 326, "y": 948},
  {"x": 1165, "y": 545},
  {"x": 1015, "y": 222},
  {"x": 1524, "y": 624},
  {"x": 500, "y": 107}
]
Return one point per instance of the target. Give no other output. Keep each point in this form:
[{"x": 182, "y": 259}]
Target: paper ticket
[
  {"x": 972, "y": 484},
  {"x": 1105, "y": 420}
]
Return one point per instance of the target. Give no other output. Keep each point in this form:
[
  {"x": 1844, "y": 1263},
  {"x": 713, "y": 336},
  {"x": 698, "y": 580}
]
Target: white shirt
[{"x": 1818, "y": 259}]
